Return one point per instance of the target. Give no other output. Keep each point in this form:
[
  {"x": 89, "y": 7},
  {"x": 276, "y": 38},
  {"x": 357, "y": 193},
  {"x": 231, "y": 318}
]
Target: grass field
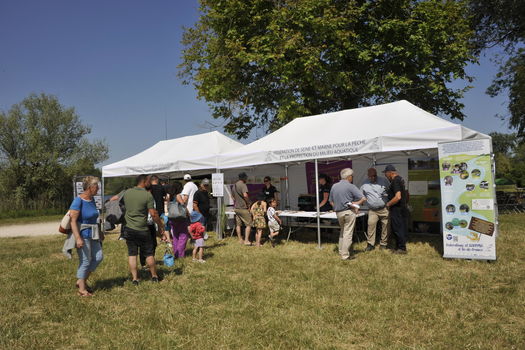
[{"x": 293, "y": 296}]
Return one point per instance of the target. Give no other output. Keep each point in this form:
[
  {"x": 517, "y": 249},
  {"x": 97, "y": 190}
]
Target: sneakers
[
  {"x": 350, "y": 257},
  {"x": 383, "y": 247},
  {"x": 400, "y": 251},
  {"x": 369, "y": 248},
  {"x": 135, "y": 282},
  {"x": 202, "y": 261},
  {"x": 155, "y": 279}
]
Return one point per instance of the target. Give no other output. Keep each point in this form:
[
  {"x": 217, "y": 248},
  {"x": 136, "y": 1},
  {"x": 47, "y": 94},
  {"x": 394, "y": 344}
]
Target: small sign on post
[{"x": 217, "y": 184}]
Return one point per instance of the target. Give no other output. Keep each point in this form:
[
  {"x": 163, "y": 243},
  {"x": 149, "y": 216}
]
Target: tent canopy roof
[
  {"x": 197, "y": 152},
  {"x": 397, "y": 126}
]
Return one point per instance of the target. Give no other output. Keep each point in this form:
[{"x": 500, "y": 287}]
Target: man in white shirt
[
  {"x": 188, "y": 192},
  {"x": 375, "y": 191}
]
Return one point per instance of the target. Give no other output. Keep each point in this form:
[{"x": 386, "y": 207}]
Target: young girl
[
  {"x": 274, "y": 221},
  {"x": 197, "y": 234},
  {"x": 258, "y": 209}
]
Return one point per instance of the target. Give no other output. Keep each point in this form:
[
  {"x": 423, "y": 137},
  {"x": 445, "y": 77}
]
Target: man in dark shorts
[
  {"x": 397, "y": 206},
  {"x": 139, "y": 202},
  {"x": 201, "y": 201},
  {"x": 159, "y": 193}
]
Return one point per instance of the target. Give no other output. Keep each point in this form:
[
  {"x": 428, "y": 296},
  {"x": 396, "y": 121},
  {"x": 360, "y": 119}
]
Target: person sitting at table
[
  {"x": 269, "y": 191},
  {"x": 346, "y": 199},
  {"x": 325, "y": 184}
]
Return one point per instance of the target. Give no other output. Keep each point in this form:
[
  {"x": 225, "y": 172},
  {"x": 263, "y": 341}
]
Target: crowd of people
[{"x": 146, "y": 217}]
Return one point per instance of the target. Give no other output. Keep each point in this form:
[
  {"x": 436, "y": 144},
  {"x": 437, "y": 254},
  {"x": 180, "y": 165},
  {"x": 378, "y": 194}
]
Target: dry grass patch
[{"x": 290, "y": 297}]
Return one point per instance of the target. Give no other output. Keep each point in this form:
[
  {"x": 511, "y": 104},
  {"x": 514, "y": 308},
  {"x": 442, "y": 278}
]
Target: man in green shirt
[{"x": 139, "y": 203}]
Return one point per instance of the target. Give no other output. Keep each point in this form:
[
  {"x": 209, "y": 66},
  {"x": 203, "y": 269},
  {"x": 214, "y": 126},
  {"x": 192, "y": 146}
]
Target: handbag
[
  {"x": 169, "y": 259},
  {"x": 177, "y": 211},
  {"x": 65, "y": 224}
]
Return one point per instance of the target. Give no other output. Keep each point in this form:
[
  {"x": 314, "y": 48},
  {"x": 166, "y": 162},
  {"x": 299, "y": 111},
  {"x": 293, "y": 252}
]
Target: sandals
[
  {"x": 84, "y": 294},
  {"x": 88, "y": 288}
]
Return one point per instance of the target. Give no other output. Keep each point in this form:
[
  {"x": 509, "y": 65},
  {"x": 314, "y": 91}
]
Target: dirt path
[{"x": 36, "y": 229}]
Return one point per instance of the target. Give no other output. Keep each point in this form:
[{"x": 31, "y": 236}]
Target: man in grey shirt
[
  {"x": 374, "y": 189},
  {"x": 346, "y": 198}
]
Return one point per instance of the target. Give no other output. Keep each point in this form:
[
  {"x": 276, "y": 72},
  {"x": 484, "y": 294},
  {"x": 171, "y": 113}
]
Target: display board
[
  {"x": 77, "y": 185},
  {"x": 217, "y": 184},
  {"x": 468, "y": 202},
  {"x": 331, "y": 169},
  {"x": 425, "y": 194}
]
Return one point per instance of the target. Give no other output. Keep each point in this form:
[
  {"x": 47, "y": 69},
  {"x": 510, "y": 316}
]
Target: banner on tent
[
  {"x": 325, "y": 151},
  {"x": 468, "y": 200}
]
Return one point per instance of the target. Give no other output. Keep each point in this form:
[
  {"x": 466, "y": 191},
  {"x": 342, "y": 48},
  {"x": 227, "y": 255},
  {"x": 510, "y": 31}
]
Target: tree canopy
[
  {"x": 42, "y": 146},
  {"x": 501, "y": 22},
  {"x": 261, "y": 63}
]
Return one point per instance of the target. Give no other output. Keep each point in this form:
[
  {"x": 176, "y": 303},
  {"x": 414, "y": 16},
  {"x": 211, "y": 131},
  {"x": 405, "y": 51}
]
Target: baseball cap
[
  {"x": 389, "y": 167},
  {"x": 187, "y": 177},
  {"x": 205, "y": 182}
]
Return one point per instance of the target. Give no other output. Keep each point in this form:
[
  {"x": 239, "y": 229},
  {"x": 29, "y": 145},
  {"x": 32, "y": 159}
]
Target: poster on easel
[{"x": 468, "y": 199}]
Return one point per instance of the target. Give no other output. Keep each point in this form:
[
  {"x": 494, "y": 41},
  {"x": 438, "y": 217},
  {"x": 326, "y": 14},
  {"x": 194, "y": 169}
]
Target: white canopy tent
[
  {"x": 378, "y": 132},
  {"x": 397, "y": 126},
  {"x": 191, "y": 153},
  {"x": 197, "y": 154}
]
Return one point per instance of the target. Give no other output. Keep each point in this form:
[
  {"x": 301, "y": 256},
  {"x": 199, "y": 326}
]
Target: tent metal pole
[
  {"x": 287, "y": 204},
  {"x": 219, "y": 215},
  {"x": 102, "y": 212},
  {"x": 317, "y": 204}
]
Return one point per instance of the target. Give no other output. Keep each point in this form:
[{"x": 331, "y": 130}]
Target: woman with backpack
[{"x": 88, "y": 236}]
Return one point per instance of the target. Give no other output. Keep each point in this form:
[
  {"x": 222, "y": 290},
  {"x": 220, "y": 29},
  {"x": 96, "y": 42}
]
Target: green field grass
[{"x": 293, "y": 296}]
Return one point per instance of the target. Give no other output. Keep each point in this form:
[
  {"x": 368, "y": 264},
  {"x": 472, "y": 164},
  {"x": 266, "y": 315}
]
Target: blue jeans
[{"x": 89, "y": 256}]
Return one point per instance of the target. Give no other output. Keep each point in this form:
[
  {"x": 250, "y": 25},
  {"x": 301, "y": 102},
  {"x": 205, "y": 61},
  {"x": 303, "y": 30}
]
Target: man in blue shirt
[
  {"x": 346, "y": 198},
  {"x": 375, "y": 190}
]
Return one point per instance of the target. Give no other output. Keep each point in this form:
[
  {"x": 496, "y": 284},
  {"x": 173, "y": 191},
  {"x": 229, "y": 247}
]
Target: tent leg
[
  {"x": 219, "y": 216},
  {"x": 102, "y": 212},
  {"x": 287, "y": 204},
  {"x": 317, "y": 205}
]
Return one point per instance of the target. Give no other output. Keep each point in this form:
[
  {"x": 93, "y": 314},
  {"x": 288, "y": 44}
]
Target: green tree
[
  {"x": 262, "y": 63},
  {"x": 42, "y": 146},
  {"x": 501, "y": 22}
]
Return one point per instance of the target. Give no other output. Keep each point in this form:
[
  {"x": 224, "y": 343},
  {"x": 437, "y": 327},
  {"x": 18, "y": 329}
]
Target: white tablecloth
[{"x": 302, "y": 214}]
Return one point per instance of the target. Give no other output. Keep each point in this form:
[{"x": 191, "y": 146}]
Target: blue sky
[{"x": 115, "y": 62}]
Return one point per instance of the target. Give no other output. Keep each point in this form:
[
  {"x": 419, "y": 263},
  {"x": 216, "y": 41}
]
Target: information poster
[
  {"x": 217, "y": 184},
  {"x": 468, "y": 197},
  {"x": 97, "y": 198}
]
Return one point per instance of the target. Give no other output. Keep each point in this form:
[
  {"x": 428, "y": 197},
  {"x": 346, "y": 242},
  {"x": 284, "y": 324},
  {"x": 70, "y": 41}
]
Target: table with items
[{"x": 295, "y": 220}]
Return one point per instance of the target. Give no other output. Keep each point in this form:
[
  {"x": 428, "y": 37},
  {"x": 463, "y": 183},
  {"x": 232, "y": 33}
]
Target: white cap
[
  {"x": 205, "y": 182},
  {"x": 187, "y": 177}
]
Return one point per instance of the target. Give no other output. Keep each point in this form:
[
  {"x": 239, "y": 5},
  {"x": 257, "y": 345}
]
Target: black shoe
[
  {"x": 369, "y": 248},
  {"x": 400, "y": 251},
  {"x": 383, "y": 247},
  {"x": 135, "y": 282},
  {"x": 155, "y": 279}
]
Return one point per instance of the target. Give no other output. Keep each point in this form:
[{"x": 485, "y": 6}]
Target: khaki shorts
[
  {"x": 243, "y": 216},
  {"x": 274, "y": 226}
]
